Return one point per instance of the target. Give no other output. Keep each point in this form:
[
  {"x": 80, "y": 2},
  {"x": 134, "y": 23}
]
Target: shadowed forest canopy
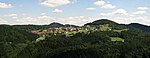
[{"x": 17, "y": 41}]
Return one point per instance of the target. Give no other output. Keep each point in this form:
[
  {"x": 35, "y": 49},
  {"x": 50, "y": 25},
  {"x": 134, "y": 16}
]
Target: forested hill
[
  {"x": 56, "y": 25},
  {"x": 114, "y": 41},
  {"x": 120, "y": 26},
  {"x": 101, "y": 22},
  {"x": 139, "y": 26}
]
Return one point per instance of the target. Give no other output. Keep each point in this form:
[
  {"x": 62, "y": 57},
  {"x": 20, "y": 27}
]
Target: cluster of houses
[{"x": 69, "y": 29}]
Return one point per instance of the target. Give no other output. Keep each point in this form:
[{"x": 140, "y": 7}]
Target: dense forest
[{"x": 17, "y": 42}]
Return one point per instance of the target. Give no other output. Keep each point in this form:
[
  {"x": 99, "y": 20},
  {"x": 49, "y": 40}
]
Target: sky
[{"x": 76, "y": 12}]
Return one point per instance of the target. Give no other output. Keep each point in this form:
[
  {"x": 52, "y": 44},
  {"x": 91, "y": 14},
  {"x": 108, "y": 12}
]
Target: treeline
[{"x": 41, "y": 27}]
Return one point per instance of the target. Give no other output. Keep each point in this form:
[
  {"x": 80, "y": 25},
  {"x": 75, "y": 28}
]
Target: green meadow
[{"x": 117, "y": 39}]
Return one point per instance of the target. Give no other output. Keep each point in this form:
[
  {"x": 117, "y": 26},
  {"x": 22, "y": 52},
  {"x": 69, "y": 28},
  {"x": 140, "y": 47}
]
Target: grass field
[
  {"x": 83, "y": 31},
  {"x": 103, "y": 28},
  {"x": 117, "y": 39},
  {"x": 40, "y": 38},
  {"x": 70, "y": 33},
  {"x": 120, "y": 30}
]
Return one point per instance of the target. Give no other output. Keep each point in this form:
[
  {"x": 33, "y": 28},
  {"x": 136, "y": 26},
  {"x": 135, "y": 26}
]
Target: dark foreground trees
[
  {"x": 13, "y": 41},
  {"x": 93, "y": 45}
]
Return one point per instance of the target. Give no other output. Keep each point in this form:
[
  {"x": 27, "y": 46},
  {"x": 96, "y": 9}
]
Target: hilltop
[
  {"x": 55, "y": 25},
  {"x": 120, "y": 26},
  {"x": 101, "y": 22}
]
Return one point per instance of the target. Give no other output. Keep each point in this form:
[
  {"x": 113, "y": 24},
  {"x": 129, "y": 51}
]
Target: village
[{"x": 69, "y": 31}]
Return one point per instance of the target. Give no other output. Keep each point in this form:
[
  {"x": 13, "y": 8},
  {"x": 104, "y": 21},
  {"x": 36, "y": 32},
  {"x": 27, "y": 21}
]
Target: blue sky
[{"x": 76, "y": 12}]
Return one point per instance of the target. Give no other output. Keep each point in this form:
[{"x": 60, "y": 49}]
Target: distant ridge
[
  {"x": 118, "y": 26},
  {"x": 97, "y": 22},
  {"x": 139, "y": 26}
]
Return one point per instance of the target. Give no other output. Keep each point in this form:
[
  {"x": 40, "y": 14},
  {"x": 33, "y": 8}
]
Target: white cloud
[
  {"x": 76, "y": 20},
  {"x": 139, "y": 12},
  {"x": 100, "y": 3},
  {"x": 128, "y": 19},
  {"x": 55, "y": 3},
  {"x": 121, "y": 20},
  {"x": 142, "y": 8},
  {"x": 45, "y": 19},
  {"x": 23, "y": 14},
  {"x": 43, "y": 14},
  {"x": 104, "y": 4},
  {"x": 74, "y": 1},
  {"x": 57, "y": 11},
  {"x": 105, "y": 14},
  {"x": 12, "y": 15},
  {"x": 122, "y": 16},
  {"x": 116, "y": 12},
  {"x": 143, "y": 20},
  {"x": 121, "y": 11},
  {"x": 90, "y": 9},
  {"x": 2, "y": 21},
  {"x": 108, "y": 6},
  {"x": 40, "y": 20},
  {"x": 4, "y": 5}
]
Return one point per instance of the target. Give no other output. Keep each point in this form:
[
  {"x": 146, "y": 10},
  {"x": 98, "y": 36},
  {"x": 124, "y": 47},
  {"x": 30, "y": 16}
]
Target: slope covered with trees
[
  {"x": 112, "y": 24},
  {"x": 139, "y": 26},
  {"x": 13, "y": 41},
  {"x": 93, "y": 45},
  {"x": 16, "y": 42}
]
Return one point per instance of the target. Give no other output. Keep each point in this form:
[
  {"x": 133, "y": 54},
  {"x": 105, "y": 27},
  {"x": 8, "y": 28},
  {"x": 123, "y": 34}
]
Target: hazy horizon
[{"x": 66, "y": 24}]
